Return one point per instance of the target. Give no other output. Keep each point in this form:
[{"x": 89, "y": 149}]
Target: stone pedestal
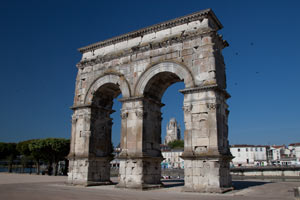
[
  {"x": 89, "y": 160},
  {"x": 88, "y": 172},
  {"x": 207, "y": 174},
  {"x": 140, "y": 173}
]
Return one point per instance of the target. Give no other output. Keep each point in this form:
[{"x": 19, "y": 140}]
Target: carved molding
[
  {"x": 140, "y": 114},
  {"x": 148, "y": 47},
  {"x": 74, "y": 119},
  {"x": 124, "y": 115},
  {"x": 214, "y": 87},
  {"x": 187, "y": 108},
  {"x": 212, "y": 106}
]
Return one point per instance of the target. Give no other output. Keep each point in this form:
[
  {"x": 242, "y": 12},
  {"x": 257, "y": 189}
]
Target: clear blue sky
[{"x": 39, "y": 41}]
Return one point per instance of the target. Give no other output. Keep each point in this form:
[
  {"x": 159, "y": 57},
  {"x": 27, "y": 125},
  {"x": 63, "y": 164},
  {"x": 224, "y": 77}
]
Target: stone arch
[
  {"x": 180, "y": 70},
  {"x": 108, "y": 78}
]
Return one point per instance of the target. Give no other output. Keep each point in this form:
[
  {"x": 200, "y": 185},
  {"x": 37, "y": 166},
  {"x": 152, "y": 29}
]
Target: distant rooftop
[
  {"x": 295, "y": 144},
  {"x": 248, "y": 145}
]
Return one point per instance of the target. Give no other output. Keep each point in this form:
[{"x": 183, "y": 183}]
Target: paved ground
[{"x": 19, "y": 186}]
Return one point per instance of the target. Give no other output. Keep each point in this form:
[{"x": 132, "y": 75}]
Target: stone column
[
  {"x": 206, "y": 152},
  {"x": 90, "y": 154},
  {"x": 140, "y": 158}
]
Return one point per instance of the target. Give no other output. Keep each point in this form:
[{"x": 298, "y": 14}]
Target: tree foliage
[
  {"x": 9, "y": 152},
  {"x": 49, "y": 150},
  {"x": 176, "y": 144}
]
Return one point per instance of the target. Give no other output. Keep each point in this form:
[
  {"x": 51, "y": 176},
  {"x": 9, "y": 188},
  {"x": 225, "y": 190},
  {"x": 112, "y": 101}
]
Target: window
[
  {"x": 251, "y": 149},
  {"x": 261, "y": 149},
  {"x": 239, "y": 150},
  {"x": 246, "y": 149},
  {"x": 255, "y": 148}
]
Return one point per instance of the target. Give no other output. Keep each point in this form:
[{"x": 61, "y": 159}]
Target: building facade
[
  {"x": 276, "y": 153},
  {"x": 295, "y": 152},
  {"x": 172, "y": 159},
  {"x": 249, "y": 155}
]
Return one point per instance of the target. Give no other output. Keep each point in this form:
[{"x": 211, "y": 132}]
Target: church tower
[{"x": 173, "y": 131}]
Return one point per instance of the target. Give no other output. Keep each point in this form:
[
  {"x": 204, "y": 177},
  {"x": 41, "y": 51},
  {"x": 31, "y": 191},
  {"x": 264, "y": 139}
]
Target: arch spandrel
[
  {"x": 180, "y": 70},
  {"x": 116, "y": 79}
]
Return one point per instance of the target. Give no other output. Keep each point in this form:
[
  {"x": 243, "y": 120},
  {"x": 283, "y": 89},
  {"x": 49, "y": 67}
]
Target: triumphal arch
[{"x": 141, "y": 65}]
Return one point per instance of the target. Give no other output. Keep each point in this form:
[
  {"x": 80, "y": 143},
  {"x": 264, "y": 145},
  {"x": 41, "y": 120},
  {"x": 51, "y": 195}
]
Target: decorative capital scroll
[
  {"x": 140, "y": 114},
  {"x": 187, "y": 108},
  {"x": 212, "y": 106},
  {"x": 124, "y": 115},
  {"x": 74, "y": 119}
]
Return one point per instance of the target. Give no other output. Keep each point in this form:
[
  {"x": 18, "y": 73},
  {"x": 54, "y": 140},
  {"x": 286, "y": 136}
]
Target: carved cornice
[
  {"x": 141, "y": 49},
  {"x": 75, "y": 107},
  {"x": 200, "y": 88},
  {"x": 83, "y": 106},
  {"x": 130, "y": 99},
  {"x": 154, "y": 28},
  {"x": 206, "y": 88}
]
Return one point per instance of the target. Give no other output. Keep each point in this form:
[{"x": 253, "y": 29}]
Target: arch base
[
  {"x": 140, "y": 173},
  {"x": 90, "y": 173}
]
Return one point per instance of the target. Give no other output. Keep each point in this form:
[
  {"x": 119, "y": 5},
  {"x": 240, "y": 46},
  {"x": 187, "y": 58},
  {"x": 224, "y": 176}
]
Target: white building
[
  {"x": 172, "y": 159},
  {"x": 249, "y": 155},
  {"x": 276, "y": 153},
  {"x": 295, "y": 152}
]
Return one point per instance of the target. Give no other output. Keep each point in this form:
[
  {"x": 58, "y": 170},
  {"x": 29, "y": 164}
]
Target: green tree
[
  {"x": 59, "y": 150},
  {"x": 8, "y": 152},
  {"x": 50, "y": 150},
  {"x": 24, "y": 151},
  {"x": 37, "y": 151},
  {"x": 176, "y": 144},
  {"x": 3, "y": 150}
]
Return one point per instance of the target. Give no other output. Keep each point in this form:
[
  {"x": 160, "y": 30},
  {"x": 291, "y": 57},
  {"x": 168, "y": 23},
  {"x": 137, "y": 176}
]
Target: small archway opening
[{"x": 105, "y": 123}]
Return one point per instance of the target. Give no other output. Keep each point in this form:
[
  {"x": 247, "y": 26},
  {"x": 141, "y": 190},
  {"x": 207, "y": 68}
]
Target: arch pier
[{"x": 141, "y": 65}]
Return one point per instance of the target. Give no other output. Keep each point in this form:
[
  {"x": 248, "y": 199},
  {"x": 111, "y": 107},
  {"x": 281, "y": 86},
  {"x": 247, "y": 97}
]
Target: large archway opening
[
  {"x": 104, "y": 135},
  {"x": 101, "y": 121},
  {"x": 164, "y": 100},
  {"x": 172, "y": 132}
]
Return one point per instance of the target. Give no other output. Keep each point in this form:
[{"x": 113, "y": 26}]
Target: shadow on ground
[
  {"x": 239, "y": 185},
  {"x": 172, "y": 183}
]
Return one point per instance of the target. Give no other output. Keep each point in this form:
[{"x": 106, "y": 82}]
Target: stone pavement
[{"x": 23, "y": 186}]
